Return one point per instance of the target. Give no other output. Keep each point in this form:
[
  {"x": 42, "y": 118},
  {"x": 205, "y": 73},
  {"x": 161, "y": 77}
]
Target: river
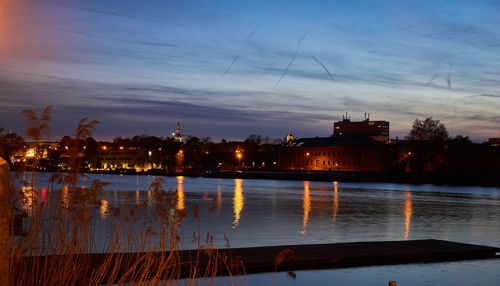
[{"x": 271, "y": 212}]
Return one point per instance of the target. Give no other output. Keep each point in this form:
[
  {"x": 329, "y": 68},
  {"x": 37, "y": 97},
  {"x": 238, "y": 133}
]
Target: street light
[{"x": 238, "y": 154}]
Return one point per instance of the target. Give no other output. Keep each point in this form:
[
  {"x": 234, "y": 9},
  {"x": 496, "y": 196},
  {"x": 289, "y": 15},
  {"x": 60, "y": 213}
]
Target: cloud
[{"x": 486, "y": 95}]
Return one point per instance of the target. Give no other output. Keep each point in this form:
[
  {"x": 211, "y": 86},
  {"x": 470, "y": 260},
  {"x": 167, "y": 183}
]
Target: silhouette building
[{"x": 376, "y": 130}]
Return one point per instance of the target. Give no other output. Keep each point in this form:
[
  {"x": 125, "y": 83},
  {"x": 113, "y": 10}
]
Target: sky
[{"x": 229, "y": 69}]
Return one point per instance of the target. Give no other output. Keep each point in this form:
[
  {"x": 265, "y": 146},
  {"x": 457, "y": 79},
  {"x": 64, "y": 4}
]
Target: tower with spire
[
  {"x": 177, "y": 135},
  {"x": 289, "y": 137}
]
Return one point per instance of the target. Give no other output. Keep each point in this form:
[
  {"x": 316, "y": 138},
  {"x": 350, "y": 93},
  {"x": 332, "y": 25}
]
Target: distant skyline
[{"x": 229, "y": 69}]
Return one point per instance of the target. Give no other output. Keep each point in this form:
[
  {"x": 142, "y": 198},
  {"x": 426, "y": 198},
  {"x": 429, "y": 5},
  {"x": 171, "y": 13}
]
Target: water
[{"x": 269, "y": 212}]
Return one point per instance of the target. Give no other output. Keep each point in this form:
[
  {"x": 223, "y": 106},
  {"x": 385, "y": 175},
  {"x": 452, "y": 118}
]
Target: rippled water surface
[{"x": 271, "y": 212}]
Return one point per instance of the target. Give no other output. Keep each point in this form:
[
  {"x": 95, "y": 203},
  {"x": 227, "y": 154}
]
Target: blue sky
[{"x": 229, "y": 69}]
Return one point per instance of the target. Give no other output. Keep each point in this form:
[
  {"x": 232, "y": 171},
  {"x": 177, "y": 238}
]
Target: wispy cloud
[
  {"x": 486, "y": 95},
  {"x": 285, "y": 71}
]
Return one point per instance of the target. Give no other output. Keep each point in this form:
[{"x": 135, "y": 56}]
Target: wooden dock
[{"x": 304, "y": 257}]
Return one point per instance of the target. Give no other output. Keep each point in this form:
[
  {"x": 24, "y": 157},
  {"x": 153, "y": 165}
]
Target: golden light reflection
[
  {"x": 335, "y": 200},
  {"x": 408, "y": 213},
  {"x": 307, "y": 207},
  {"x": 137, "y": 196},
  {"x": 238, "y": 201},
  {"x": 65, "y": 196},
  {"x": 28, "y": 194},
  {"x": 104, "y": 208},
  {"x": 219, "y": 198},
  {"x": 180, "y": 193}
]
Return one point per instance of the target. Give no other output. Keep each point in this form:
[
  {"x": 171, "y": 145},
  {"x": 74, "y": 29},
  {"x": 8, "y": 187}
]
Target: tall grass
[{"x": 63, "y": 227}]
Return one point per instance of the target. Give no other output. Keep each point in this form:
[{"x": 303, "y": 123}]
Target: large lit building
[
  {"x": 376, "y": 130},
  {"x": 128, "y": 158},
  {"x": 354, "y": 146},
  {"x": 334, "y": 154}
]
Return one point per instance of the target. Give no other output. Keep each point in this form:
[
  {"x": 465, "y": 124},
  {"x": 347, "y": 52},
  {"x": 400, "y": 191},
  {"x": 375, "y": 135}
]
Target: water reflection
[
  {"x": 219, "y": 198},
  {"x": 28, "y": 196},
  {"x": 44, "y": 196},
  {"x": 65, "y": 196},
  {"x": 180, "y": 193},
  {"x": 238, "y": 201},
  {"x": 408, "y": 213},
  {"x": 104, "y": 208},
  {"x": 335, "y": 200},
  {"x": 307, "y": 206}
]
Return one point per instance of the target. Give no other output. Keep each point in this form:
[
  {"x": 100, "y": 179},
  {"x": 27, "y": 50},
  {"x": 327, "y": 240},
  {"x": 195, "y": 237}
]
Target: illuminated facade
[
  {"x": 34, "y": 151},
  {"x": 128, "y": 158},
  {"x": 334, "y": 154}
]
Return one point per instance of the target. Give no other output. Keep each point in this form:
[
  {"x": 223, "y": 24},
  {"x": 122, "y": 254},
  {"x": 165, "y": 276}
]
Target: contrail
[
  {"x": 229, "y": 67},
  {"x": 299, "y": 42},
  {"x": 251, "y": 35},
  {"x": 286, "y": 69},
  {"x": 431, "y": 80},
  {"x": 448, "y": 80},
  {"x": 324, "y": 67},
  {"x": 236, "y": 58},
  {"x": 301, "y": 39}
]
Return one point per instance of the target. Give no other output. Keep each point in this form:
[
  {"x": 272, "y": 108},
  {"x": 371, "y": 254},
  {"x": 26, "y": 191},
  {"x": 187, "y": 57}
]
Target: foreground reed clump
[{"x": 66, "y": 242}]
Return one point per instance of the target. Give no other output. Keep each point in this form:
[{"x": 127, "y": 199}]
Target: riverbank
[{"x": 340, "y": 176}]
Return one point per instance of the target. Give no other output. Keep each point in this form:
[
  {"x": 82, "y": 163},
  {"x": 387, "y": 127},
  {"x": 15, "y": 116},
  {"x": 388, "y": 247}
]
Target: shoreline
[{"x": 339, "y": 176}]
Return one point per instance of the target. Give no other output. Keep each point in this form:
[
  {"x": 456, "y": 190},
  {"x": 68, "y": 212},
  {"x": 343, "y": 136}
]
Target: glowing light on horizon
[
  {"x": 238, "y": 201},
  {"x": 180, "y": 193},
  {"x": 408, "y": 213},
  {"x": 306, "y": 206}
]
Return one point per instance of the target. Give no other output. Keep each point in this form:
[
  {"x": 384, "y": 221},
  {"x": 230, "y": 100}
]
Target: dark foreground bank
[{"x": 193, "y": 263}]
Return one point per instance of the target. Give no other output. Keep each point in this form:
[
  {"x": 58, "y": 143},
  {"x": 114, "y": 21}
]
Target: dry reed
[{"x": 61, "y": 230}]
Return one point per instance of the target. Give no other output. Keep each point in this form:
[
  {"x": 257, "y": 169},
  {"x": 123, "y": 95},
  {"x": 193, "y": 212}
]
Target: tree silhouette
[{"x": 427, "y": 130}]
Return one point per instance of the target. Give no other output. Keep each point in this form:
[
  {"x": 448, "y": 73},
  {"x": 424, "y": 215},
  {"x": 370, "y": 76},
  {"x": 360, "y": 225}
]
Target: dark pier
[{"x": 295, "y": 257}]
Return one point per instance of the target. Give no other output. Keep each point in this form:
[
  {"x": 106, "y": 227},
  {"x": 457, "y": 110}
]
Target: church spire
[
  {"x": 177, "y": 135},
  {"x": 289, "y": 137}
]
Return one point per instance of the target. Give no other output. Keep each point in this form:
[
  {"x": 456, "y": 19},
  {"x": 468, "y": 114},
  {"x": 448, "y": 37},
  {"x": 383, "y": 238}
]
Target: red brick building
[{"x": 336, "y": 153}]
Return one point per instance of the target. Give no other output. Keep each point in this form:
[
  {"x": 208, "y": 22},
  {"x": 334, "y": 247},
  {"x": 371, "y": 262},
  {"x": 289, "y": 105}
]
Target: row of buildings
[{"x": 353, "y": 146}]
